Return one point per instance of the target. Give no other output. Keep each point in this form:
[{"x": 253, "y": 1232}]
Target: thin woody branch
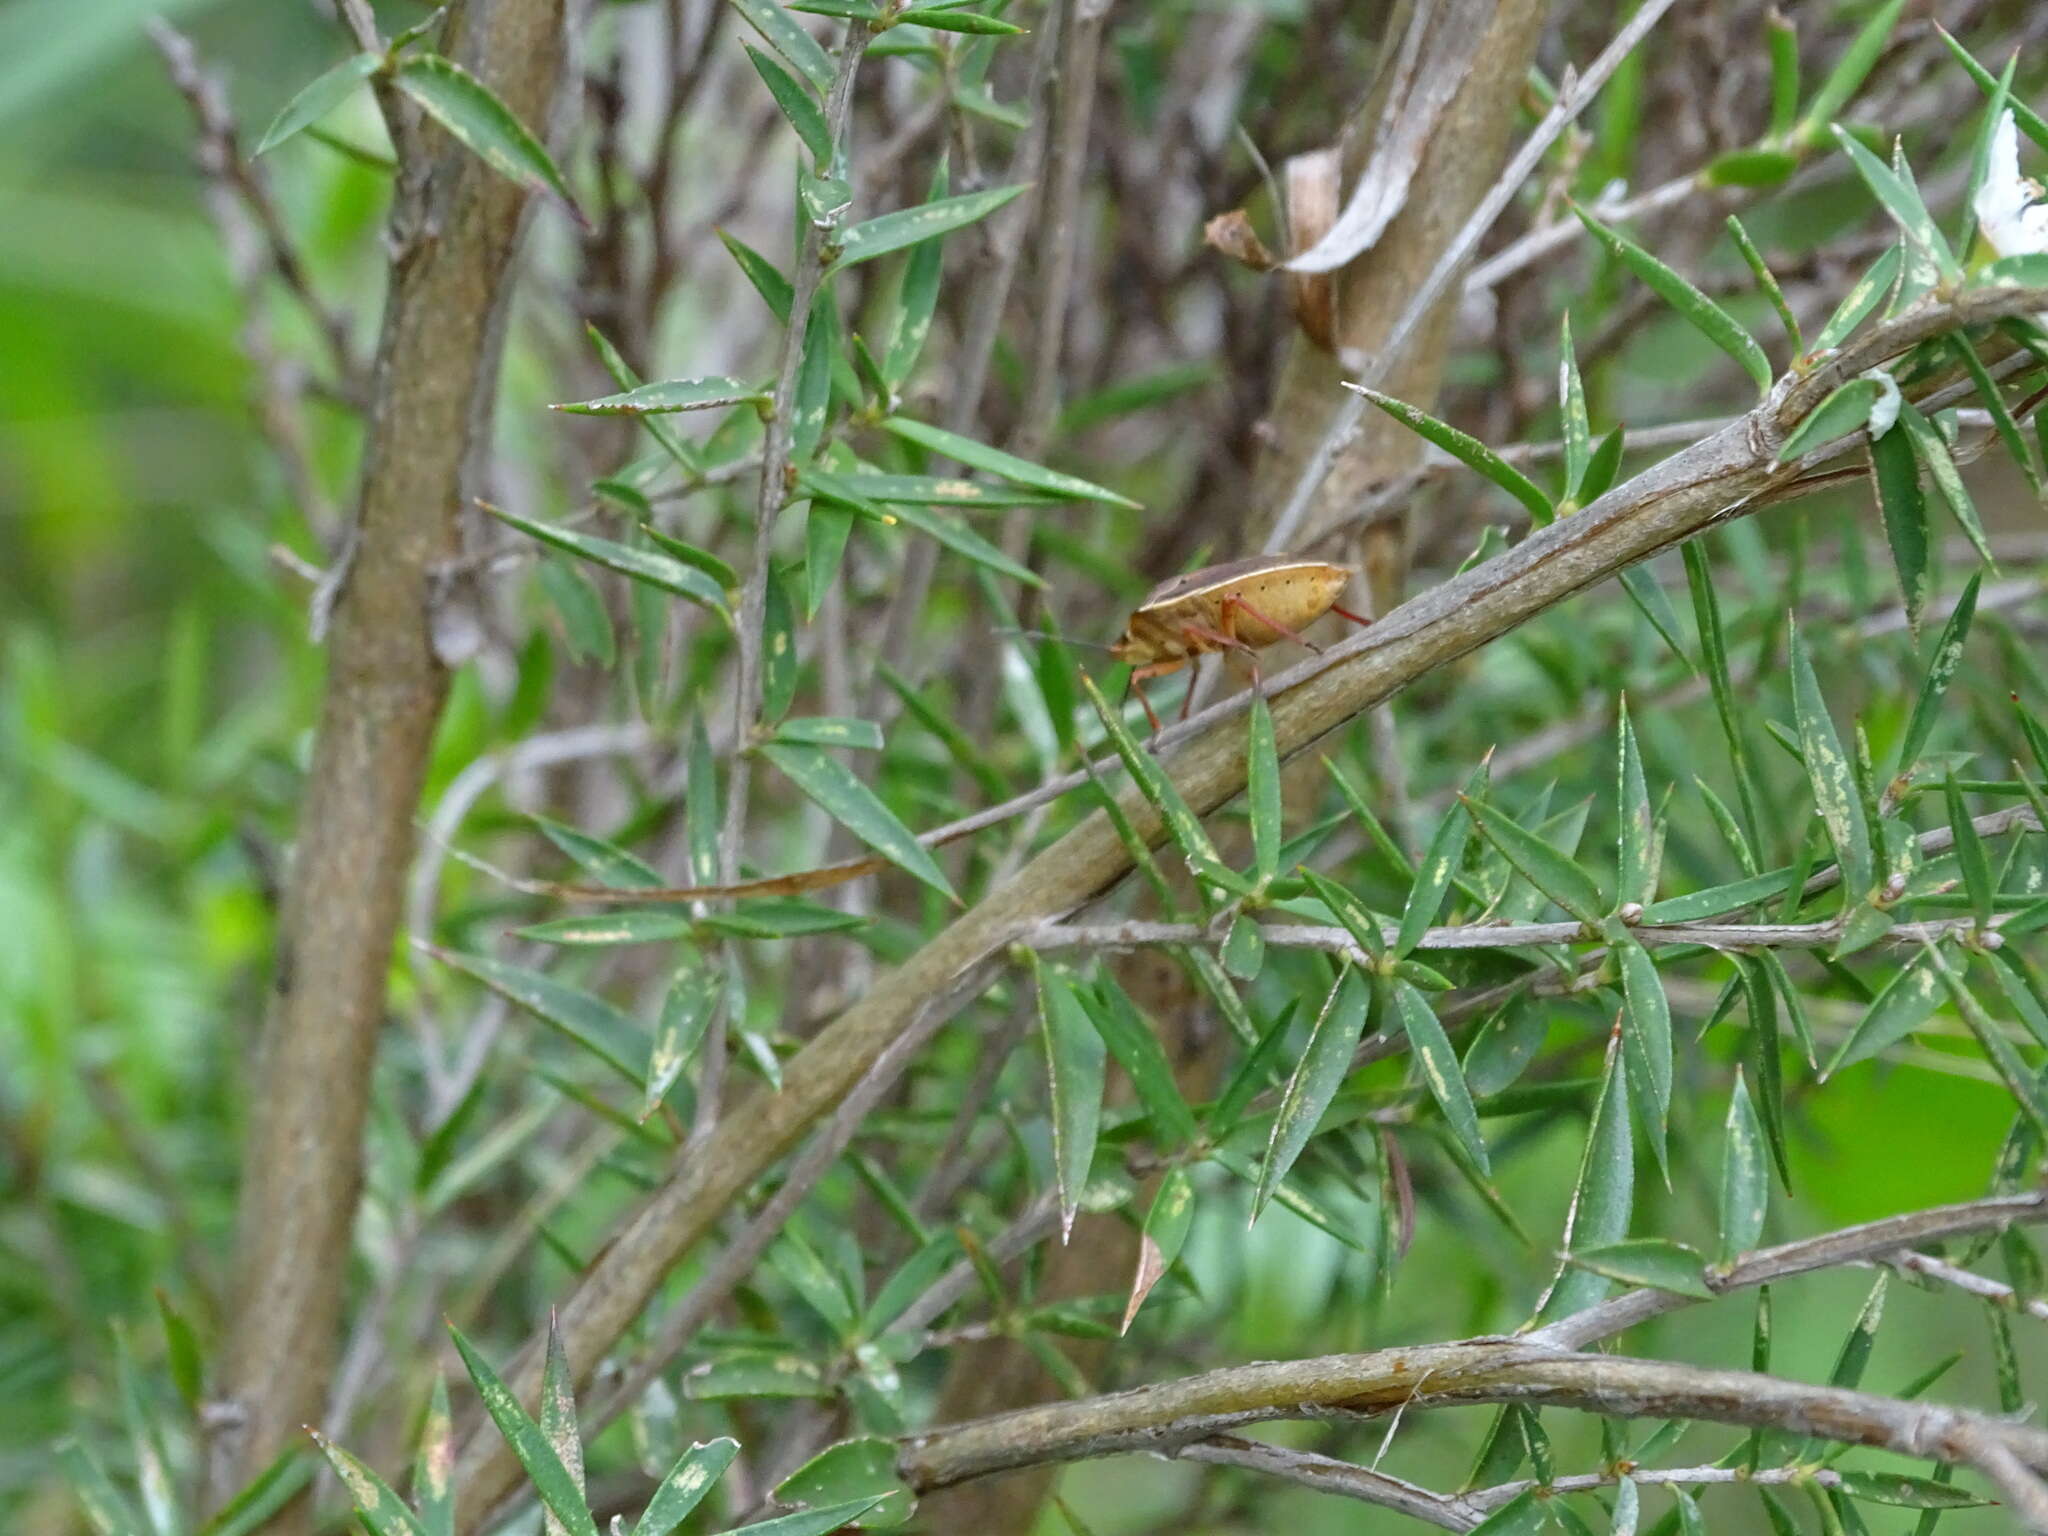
[{"x": 1171, "y": 1415}]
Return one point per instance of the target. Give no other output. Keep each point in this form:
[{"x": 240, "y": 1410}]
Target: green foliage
[{"x": 1566, "y": 903}]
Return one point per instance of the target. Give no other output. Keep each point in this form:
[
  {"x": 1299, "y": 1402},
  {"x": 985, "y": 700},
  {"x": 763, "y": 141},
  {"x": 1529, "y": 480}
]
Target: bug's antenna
[{"x": 1040, "y": 634}]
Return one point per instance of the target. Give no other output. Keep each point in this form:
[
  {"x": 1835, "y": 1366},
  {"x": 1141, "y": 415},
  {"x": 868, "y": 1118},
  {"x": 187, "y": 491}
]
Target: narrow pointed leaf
[
  {"x": 812, "y": 1522},
  {"x": 912, "y": 226},
  {"x": 685, "y": 1486},
  {"x": 780, "y": 31},
  {"x": 470, "y": 110},
  {"x": 1745, "y": 1181},
  {"x": 1074, "y": 1057},
  {"x": 1571, "y": 404},
  {"x": 1827, "y": 768},
  {"x": 586, "y": 1020},
  {"x": 2020, "y": 1080},
  {"x": 1181, "y": 822},
  {"x": 962, "y": 540},
  {"x": 1941, "y": 669},
  {"x": 686, "y": 1013},
  {"x": 1603, "y": 1197},
  {"x": 1846, "y": 410},
  {"x": 1705, "y": 316},
  {"x": 766, "y": 277},
  {"x": 1019, "y": 471},
  {"x": 1847, "y": 76},
  {"x": 2001, "y": 413},
  {"x": 604, "y": 862},
  {"x": 798, "y": 105},
  {"x": 1262, "y": 789},
  {"x": 433, "y": 1485},
  {"x": 1656, "y": 1262},
  {"x": 558, "y": 1417},
  {"x": 1551, "y": 872},
  {"x": 1159, "y": 1244},
  {"x": 558, "y": 1488},
  {"x": 665, "y": 397},
  {"x": 1638, "y": 876},
  {"x": 1948, "y": 480},
  {"x": 1468, "y": 450},
  {"x": 852, "y": 1469},
  {"x": 381, "y": 1510},
  {"x": 1440, "y": 1068},
  {"x": 1648, "y": 1032},
  {"x": 1132, "y": 1041},
  {"x": 317, "y": 98},
  {"x": 1895, "y": 469},
  {"x": 835, "y": 790},
  {"x": 1324, "y": 1064},
  {"x": 110, "y": 1512},
  {"x": 1902, "y": 202},
  {"x": 1440, "y": 864},
  {"x": 1970, "y": 856},
  {"x": 643, "y": 565}
]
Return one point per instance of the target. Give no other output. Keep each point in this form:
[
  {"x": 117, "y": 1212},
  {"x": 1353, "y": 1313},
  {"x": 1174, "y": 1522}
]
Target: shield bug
[{"x": 1241, "y": 605}]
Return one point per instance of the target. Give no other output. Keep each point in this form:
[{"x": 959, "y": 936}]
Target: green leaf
[
  {"x": 1440, "y": 1069},
  {"x": 1706, "y": 603},
  {"x": 586, "y": 1020},
  {"x": 1020, "y": 471},
  {"x": 1181, "y": 821},
  {"x": 1648, "y": 594},
  {"x": 1638, "y": 865},
  {"x": 112, "y": 1515},
  {"x": 606, "y": 863},
  {"x": 182, "y": 1357},
  {"x": 834, "y": 789},
  {"x": 2020, "y": 1079},
  {"x": 1827, "y": 768},
  {"x": 317, "y": 98},
  {"x": 1571, "y": 405},
  {"x": 798, "y": 105},
  {"x": 2027, "y": 270},
  {"x": 1160, "y": 1241},
  {"x": 1705, "y": 316},
  {"x": 766, "y": 277},
  {"x": 1781, "y": 40},
  {"x": 1655, "y": 1262},
  {"x": 1895, "y": 469},
  {"x": 269, "y": 1491},
  {"x": 1324, "y": 1064},
  {"x": 1254, "y": 1072},
  {"x": 1074, "y": 1057},
  {"x": 811, "y": 1522},
  {"x": 381, "y": 1510},
  {"x": 1262, "y": 789},
  {"x": 826, "y": 529},
  {"x": 1767, "y": 282},
  {"x": 962, "y": 540},
  {"x": 912, "y": 226},
  {"x": 780, "y": 31},
  {"x": 1906, "y": 1492},
  {"x": 586, "y": 626},
  {"x": 1994, "y": 402},
  {"x": 1847, "y": 75},
  {"x": 779, "y": 918},
  {"x": 1468, "y": 450},
  {"x": 1350, "y": 911},
  {"x": 558, "y": 1418},
  {"x": 666, "y": 396},
  {"x": 470, "y": 110},
  {"x": 917, "y": 299},
  {"x": 1846, "y": 410},
  {"x": 685, "y": 1486},
  {"x": 1602, "y": 1198},
  {"x": 1941, "y": 468},
  {"x": 1648, "y": 1037},
  {"x": 686, "y": 1014},
  {"x": 1969, "y": 854},
  {"x": 1137, "y": 1050},
  {"x": 780, "y": 663},
  {"x": 643, "y": 565},
  {"x": 1520, "y": 1516},
  {"x": 1718, "y": 899},
  {"x": 1745, "y": 1182},
  {"x": 1902, "y": 202},
  {"x": 433, "y": 1470},
  {"x": 937, "y": 491},
  {"x": 1863, "y": 297},
  {"x": 942, "y": 18},
  {"x": 1440, "y": 863},
  {"x": 1602, "y": 469},
  {"x": 852, "y": 1469},
  {"x": 1941, "y": 669},
  {"x": 559, "y": 1489},
  {"x": 742, "y": 1373},
  {"x": 831, "y": 731},
  {"x": 1555, "y": 875},
  {"x": 1752, "y": 167}
]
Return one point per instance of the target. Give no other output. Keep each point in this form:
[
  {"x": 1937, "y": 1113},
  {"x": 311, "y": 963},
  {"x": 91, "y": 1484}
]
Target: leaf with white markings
[
  {"x": 1705, "y": 316},
  {"x": 1074, "y": 1057},
  {"x": 470, "y": 110},
  {"x": 684, "y": 1488},
  {"x": 1440, "y": 1069},
  {"x": 1827, "y": 768},
  {"x": 1550, "y": 871},
  {"x": 643, "y": 565},
  {"x": 1160, "y": 1242},
  {"x": 1468, "y": 450},
  {"x": 1603, "y": 1197},
  {"x": 1324, "y": 1064},
  {"x": 559, "y": 1489},
  {"x": 831, "y": 785},
  {"x": 1745, "y": 1181},
  {"x": 913, "y": 226},
  {"x": 1020, "y": 471},
  {"x": 1440, "y": 864}
]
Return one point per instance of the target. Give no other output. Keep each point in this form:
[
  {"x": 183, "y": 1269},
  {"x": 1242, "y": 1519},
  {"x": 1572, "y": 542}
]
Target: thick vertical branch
[{"x": 455, "y": 225}]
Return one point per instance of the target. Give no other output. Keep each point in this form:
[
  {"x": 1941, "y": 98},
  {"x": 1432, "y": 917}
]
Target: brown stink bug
[{"x": 1241, "y": 605}]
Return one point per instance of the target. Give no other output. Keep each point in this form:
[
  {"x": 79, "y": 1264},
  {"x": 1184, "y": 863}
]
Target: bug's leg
[
  {"x": 1235, "y": 602},
  {"x": 1226, "y": 639},
  {"x": 1345, "y": 613},
  {"x": 1135, "y": 684},
  {"x": 1187, "y": 696}
]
